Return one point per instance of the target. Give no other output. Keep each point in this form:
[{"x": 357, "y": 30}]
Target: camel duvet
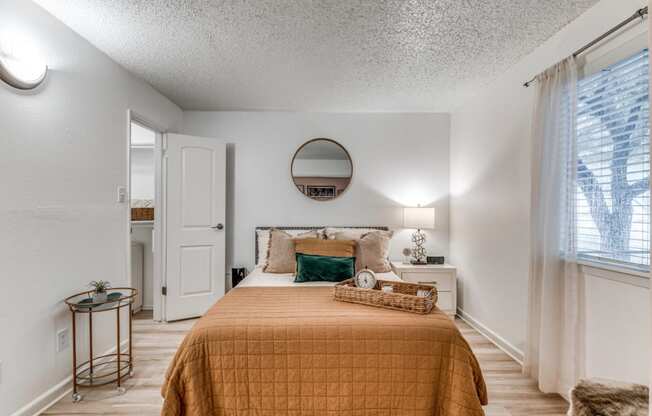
[{"x": 296, "y": 351}]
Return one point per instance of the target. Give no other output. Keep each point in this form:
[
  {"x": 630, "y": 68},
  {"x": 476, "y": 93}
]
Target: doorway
[
  {"x": 176, "y": 221},
  {"x": 142, "y": 224}
]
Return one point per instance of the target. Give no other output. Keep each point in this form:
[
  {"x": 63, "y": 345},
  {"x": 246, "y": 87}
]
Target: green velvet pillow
[{"x": 313, "y": 268}]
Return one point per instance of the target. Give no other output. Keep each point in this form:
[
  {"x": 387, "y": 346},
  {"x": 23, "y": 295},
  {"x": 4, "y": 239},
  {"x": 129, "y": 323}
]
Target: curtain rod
[{"x": 640, "y": 14}]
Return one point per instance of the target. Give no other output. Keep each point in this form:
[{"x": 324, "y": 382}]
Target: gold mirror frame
[{"x": 298, "y": 186}]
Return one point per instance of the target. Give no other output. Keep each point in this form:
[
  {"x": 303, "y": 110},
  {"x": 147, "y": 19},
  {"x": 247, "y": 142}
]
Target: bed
[
  {"x": 275, "y": 347},
  {"x": 258, "y": 278}
]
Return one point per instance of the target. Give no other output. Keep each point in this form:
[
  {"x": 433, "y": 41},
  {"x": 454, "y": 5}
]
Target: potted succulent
[{"x": 100, "y": 288}]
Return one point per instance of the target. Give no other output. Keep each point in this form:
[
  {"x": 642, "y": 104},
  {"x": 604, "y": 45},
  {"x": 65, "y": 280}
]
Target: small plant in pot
[{"x": 100, "y": 288}]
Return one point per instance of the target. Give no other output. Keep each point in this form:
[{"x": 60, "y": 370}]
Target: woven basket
[
  {"x": 404, "y": 297},
  {"x": 142, "y": 214}
]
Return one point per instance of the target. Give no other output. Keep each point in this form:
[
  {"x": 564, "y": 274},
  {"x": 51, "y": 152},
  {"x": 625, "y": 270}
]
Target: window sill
[{"x": 615, "y": 273}]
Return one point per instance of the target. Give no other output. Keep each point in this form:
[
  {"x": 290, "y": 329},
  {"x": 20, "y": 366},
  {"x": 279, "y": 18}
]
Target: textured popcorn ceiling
[{"x": 331, "y": 55}]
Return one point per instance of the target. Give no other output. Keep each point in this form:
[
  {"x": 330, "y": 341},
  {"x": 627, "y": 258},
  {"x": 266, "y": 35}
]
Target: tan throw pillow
[
  {"x": 263, "y": 243},
  {"x": 319, "y": 247},
  {"x": 280, "y": 252},
  {"x": 373, "y": 252}
]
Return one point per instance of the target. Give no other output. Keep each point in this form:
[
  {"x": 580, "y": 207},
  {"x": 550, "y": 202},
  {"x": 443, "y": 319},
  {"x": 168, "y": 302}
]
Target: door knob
[{"x": 219, "y": 226}]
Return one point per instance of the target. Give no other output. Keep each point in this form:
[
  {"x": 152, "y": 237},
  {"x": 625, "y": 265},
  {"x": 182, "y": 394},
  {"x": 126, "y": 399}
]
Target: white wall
[
  {"x": 490, "y": 185},
  {"x": 617, "y": 326},
  {"x": 142, "y": 173},
  {"x": 321, "y": 168},
  {"x": 398, "y": 159},
  {"x": 63, "y": 153}
]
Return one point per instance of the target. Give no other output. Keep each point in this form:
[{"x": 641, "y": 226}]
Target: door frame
[{"x": 158, "y": 239}]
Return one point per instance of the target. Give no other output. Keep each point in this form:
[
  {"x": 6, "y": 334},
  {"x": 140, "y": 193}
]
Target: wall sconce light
[{"x": 21, "y": 73}]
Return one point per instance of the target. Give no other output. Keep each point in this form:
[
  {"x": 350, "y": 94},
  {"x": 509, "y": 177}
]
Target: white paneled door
[{"x": 195, "y": 214}]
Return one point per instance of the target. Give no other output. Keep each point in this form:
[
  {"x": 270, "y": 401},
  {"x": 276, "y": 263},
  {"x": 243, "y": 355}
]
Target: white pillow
[
  {"x": 352, "y": 233},
  {"x": 263, "y": 243}
]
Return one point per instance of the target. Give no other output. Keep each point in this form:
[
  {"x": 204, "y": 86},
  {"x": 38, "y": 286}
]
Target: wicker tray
[
  {"x": 404, "y": 297},
  {"x": 142, "y": 214}
]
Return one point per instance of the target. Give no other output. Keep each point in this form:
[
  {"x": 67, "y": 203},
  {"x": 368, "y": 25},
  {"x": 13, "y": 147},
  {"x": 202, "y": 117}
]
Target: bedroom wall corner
[
  {"x": 63, "y": 155},
  {"x": 490, "y": 180}
]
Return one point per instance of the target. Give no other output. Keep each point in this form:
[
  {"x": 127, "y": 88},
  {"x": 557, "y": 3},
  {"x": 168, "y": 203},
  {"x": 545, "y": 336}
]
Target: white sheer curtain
[{"x": 554, "y": 337}]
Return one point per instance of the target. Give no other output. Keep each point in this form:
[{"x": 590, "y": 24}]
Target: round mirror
[{"x": 321, "y": 169}]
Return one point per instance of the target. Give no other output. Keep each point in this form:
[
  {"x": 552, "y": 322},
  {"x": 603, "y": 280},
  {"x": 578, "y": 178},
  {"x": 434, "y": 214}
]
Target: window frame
[{"x": 595, "y": 261}]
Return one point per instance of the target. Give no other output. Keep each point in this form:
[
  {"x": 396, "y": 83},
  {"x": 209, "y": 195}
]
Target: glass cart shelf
[{"x": 109, "y": 368}]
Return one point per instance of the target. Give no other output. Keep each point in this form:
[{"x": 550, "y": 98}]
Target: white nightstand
[{"x": 442, "y": 276}]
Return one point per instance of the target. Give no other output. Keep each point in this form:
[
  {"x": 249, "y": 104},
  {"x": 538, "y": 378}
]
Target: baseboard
[
  {"x": 55, "y": 393},
  {"x": 47, "y": 399},
  {"x": 564, "y": 392},
  {"x": 492, "y": 336},
  {"x": 147, "y": 308}
]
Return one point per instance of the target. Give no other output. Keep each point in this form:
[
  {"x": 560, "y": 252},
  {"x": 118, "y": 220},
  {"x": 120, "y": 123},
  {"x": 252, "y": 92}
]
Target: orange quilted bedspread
[{"x": 296, "y": 351}]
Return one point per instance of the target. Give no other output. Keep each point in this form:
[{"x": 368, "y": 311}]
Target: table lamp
[{"x": 421, "y": 218}]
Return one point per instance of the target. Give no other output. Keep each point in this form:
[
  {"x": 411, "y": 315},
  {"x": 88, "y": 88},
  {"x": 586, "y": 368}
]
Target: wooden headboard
[{"x": 287, "y": 228}]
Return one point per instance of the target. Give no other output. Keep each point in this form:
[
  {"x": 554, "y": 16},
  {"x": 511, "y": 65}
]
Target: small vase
[{"x": 99, "y": 297}]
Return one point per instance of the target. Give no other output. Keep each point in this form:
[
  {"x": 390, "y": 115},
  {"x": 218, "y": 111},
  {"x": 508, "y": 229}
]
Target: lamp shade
[{"x": 420, "y": 218}]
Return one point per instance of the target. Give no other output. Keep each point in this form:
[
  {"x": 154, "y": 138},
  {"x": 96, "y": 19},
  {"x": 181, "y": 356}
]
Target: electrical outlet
[{"x": 63, "y": 339}]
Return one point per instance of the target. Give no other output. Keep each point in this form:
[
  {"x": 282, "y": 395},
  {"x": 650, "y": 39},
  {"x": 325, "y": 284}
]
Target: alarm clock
[
  {"x": 435, "y": 259},
  {"x": 365, "y": 279}
]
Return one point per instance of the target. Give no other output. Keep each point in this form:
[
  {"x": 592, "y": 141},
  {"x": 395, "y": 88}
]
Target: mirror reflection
[{"x": 322, "y": 169}]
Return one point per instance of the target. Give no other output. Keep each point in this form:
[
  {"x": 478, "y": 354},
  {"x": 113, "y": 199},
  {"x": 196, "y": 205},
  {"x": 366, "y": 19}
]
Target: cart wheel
[
  {"x": 121, "y": 390},
  {"x": 76, "y": 398}
]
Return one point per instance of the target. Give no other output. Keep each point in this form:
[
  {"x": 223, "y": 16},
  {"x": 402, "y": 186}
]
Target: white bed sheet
[{"x": 258, "y": 278}]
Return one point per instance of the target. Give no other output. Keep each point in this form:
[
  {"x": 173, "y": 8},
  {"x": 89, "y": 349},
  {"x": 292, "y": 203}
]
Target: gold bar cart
[{"x": 108, "y": 368}]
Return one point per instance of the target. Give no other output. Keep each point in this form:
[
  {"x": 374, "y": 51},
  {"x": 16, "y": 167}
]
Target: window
[{"x": 611, "y": 196}]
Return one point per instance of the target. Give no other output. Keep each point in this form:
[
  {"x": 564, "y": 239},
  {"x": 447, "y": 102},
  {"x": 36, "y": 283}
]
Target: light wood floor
[{"x": 510, "y": 393}]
